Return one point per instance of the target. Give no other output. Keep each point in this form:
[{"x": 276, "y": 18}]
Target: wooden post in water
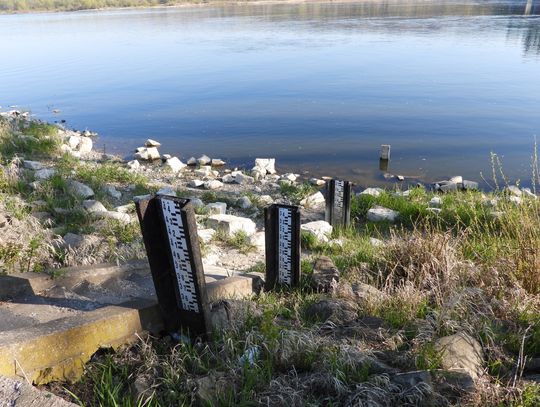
[
  {"x": 385, "y": 152},
  {"x": 282, "y": 232},
  {"x": 170, "y": 236}
]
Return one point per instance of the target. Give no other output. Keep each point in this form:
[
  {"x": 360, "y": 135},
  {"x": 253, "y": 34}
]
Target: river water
[{"x": 319, "y": 86}]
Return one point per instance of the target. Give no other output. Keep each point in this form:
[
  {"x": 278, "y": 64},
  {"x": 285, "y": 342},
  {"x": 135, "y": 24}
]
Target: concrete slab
[
  {"x": 58, "y": 349},
  {"x": 49, "y": 328}
]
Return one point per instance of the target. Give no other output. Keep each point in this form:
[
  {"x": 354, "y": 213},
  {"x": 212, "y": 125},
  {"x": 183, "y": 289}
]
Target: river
[{"x": 319, "y": 86}]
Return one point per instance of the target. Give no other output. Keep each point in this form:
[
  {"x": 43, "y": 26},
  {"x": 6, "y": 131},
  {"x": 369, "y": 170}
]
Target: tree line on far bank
[{"x": 67, "y": 5}]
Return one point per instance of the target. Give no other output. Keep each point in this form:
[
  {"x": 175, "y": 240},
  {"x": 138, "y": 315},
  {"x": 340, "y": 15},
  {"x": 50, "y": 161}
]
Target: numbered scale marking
[
  {"x": 338, "y": 202},
  {"x": 282, "y": 225},
  {"x": 174, "y": 226},
  {"x": 169, "y": 231},
  {"x": 285, "y": 246}
]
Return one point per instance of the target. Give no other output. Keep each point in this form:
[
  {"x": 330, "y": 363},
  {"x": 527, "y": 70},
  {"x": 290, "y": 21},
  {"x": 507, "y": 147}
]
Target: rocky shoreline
[{"x": 429, "y": 299}]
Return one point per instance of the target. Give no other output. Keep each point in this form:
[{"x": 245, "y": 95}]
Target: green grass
[
  {"x": 239, "y": 241},
  {"x": 36, "y": 140},
  {"x": 296, "y": 192}
]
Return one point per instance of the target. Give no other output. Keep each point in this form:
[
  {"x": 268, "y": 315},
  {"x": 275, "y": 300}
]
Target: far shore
[{"x": 180, "y": 4}]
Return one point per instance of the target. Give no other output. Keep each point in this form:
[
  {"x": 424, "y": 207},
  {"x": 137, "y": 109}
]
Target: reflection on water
[{"x": 318, "y": 85}]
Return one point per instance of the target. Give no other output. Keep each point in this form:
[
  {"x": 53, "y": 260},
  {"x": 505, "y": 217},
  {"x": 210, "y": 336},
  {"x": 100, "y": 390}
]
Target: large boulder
[
  {"x": 79, "y": 189},
  {"x": 204, "y": 160},
  {"x": 461, "y": 351},
  {"x": 152, "y": 143},
  {"x": 153, "y": 153},
  {"x": 213, "y": 184},
  {"x": 265, "y": 165},
  {"x": 32, "y": 165},
  {"x": 119, "y": 216},
  {"x": 381, "y": 214},
  {"x": 112, "y": 191},
  {"x": 372, "y": 191},
  {"x": 334, "y": 310},
  {"x": 320, "y": 229},
  {"x": 216, "y": 208},
  {"x": 175, "y": 165},
  {"x": 230, "y": 224},
  {"x": 314, "y": 200},
  {"x": 243, "y": 179},
  {"x": 86, "y": 145},
  {"x": 93, "y": 206},
  {"x": 44, "y": 173}
]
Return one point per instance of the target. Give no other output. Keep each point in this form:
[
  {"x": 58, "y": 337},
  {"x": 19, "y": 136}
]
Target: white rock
[
  {"x": 258, "y": 173},
  {"x": 434, "y": 210},
  {"x": 317, "y": 182},
  {"x": 73, "y": 142},
  {"x": 134, "y": 165},
  {"x": 166, "y": 156},
  {"x": 44, "y": 173},
  {"x": 380, "y": 214},
  {"x": 289, "y": 176},
  {"x": 458, "y": 179},
  {"x": 152, "y": 143},
  {"x": 140, "y": 149},
  {"x": 80, "y": 189},
  {"x": 112, "y": 191},
  {"x": 32, "y": 165},
  {"x": 166, "y": 191},
  {"x": 204, "y": 171},
  {"x": 92, "y": 205},
  {"x": 206, "y": 235},
  {"x": 196, "y": 202},
  {"x": 213, "y": 184},
  {"x": 244, "y": 202},
  {"x": 228, "y": 179},
  {"x": 230, "y": 224},
  {"x": 243, "y": 179},
  {"x": 204, "y": 160},
  {"x": 515, "y": 199},
  {"x": 372, "y": 191},
  {"x": 119, "y": 216},
  {"x": 175, "y": 164},
  {"x": 514, "y": 190},
  {"x": 376, "y": 242},
  {"x": 141, "y": 155},
  {"x": 320, "y": 229},
  {"x": 266, "y": 200},
  {"x": 215, "y": 173},
  {"x": 195, "y": 183},
  {"x": 153, "y": 153},
  {"x": 435, "y": 202},
  {"x": 258, "y": 240},
  {"x": 192, "y": 161},
  {"x": 65, "y": 148},
  {"x": 86, "y": 145},
  {"x": 216, "y": 208},
  {"x": 127, "y": 208},
  {"x": 527, "y": 192},
  {"x": 217, "y": 161},
  {"x": 268, "y": 164},
  {"x": 314, "y": 200}
]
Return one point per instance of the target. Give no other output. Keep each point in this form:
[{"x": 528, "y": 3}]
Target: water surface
[{"x": 319, "y": 86}]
